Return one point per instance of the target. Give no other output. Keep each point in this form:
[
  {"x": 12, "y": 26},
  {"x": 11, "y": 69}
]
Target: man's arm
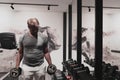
[
  {"x": 47, "y": 56},
  {"x": 19, "y": 57}
]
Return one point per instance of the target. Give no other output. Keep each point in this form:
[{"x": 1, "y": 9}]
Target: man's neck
[{"x": 33, "y": 35}]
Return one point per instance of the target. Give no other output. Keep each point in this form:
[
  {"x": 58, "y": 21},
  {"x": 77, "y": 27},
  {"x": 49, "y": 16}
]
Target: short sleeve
[{"x": 20, "y": 43}]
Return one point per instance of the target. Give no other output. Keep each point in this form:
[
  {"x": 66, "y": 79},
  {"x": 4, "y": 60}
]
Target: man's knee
[{"x": 42, "y": 77}]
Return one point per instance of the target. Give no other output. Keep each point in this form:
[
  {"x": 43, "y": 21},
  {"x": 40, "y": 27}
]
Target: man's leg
[
  {"x": 27, "y": 74},
  {"x": 40, "y": 73}
]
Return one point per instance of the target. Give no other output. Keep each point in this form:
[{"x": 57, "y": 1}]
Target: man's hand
[{"x": 51, "y": 69}]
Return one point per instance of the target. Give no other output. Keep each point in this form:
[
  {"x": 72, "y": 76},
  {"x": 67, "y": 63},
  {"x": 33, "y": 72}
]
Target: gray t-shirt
[{"x": 33, "y": 49}]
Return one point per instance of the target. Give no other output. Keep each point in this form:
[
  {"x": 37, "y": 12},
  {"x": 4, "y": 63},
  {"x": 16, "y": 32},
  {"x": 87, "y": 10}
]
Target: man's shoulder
[{"x": 22, "y": 36}]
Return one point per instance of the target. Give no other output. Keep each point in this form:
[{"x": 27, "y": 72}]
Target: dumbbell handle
[
  {"x": 51, "y": 69},
  {"x": 74, "y": 65},
  {"x": 83, "y": 70},
  {"x": 77, "y": 68},
  {"x": 15, "y": 72}
]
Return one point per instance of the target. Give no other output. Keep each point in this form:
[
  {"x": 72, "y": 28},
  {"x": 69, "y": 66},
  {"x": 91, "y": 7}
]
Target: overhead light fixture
[
  {"x": 48, "y": 7},
  {"x": 89, "y": 9},
  {"x": 12, "y": 6}
]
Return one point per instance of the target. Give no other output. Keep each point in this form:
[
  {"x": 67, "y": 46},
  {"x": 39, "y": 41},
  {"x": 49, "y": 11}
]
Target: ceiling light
[
  {"x": 48, "y": 7},
  {"x": 12, "y": 6},
  {"x": 89, "y": 9}
]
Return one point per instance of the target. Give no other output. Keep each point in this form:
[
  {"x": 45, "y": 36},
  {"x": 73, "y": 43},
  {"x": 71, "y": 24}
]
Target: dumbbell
[
  {"x": 69, "y": 61},
  {"x": 59, "y": 75},
  {"x": 113, "y": 71},
  {"x": 75, "y": 69},
  {"x": 117, "y": 76},
  {"x": 85, "y": 69},
  {"x": 106, "y": 69},
  {"x": 51, "y": 69},
  {"x": 72, "y": 65},
  {"x": 110, "y": 71},
  {"x": 15, "y": 72},
  {"x": 67, "y": 64},
  {"x": 91, "y": 62},
  {"x": 83, "y": 74}
]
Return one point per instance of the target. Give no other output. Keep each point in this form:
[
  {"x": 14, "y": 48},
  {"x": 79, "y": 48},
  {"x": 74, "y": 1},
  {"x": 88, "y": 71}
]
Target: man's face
[{"x": 33, "y": 27}]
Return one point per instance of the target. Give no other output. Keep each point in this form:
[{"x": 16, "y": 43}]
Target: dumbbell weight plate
[
  {"x": 14, "y": 73},
  {"x": 85, "y": 69},
  {"x": 113, "y": 70},
  {"x": 51, "y": 69}
]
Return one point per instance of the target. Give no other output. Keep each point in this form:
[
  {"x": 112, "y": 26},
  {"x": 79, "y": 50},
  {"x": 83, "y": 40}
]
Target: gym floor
[{"x": 6, "y": 76}]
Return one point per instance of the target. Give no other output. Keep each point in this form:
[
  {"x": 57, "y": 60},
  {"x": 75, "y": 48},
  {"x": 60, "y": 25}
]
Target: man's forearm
[
  {"x": 48, "y": 58},
  {"x": 18, "y": 59}
]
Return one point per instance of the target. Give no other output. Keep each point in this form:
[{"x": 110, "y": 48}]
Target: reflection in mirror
[
  {"x": 111, "y": 18},
  {"x": 111, "y": 33},
  {"x": 87, "y": 31}
]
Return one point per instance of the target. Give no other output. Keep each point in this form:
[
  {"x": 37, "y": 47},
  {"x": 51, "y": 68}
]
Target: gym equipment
[
  {"x": 113, "y": 70},
  {"x": 84, "y": 76},
  {"x": 82, "y": 73},
  {"x": 51, "y": 69},
  {"x": 91, "y": 62},
  {"x": 75, "y": 67},
  {"x": 15, "y": 72},
  {"x": 59, "y": 75},
  {"x": 78, "y": 72},
  {"x": 7, "y": 40},
  {"x": 85, "y": 69},
  {"x": 110, "y": 72},
  {"x": 104, "y": 67}
]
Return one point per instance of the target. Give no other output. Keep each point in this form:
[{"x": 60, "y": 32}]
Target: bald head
[
  {"x": 32, "y": 21},
  {"x": 33, "y": 25}
]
